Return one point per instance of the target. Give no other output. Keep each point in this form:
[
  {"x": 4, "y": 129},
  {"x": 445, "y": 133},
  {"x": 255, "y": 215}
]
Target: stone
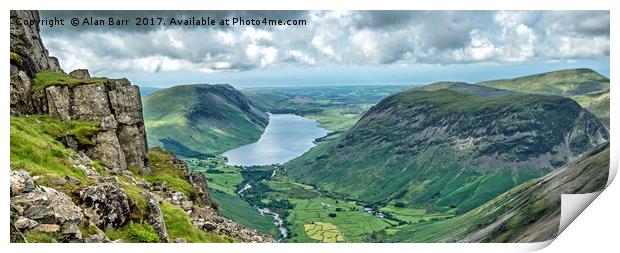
[
  {"x": 72, "y": 230},
  {"x": 25, "y": 223},
  {"x": 80, "y": 74},
  {"x": 56, "y": 181},
  {"x": 187, "y": 205},
  {"x": 73, "y": 180},
  {"x": 132, "y": 140},
  {"x": 180, "y": 240},
  {"x": 107, "y": 149},
  {"x": 106, "y": 205},
  {"x": 21, "y": 182},
  {"x": 156, "y": 219},
  {"x": 108, "y": 123},
  {"x": 26, "y": 43},
  {"x": 126, "y": 103},
  {"x": 90, "y": 102},
  {"x": 48, "y": 228},
  {"x": 199, "y": 180},
  {"x": 62, "y": 205},
  {"x": 59, "y": 102},
  {"x": 97, "y": 238}
]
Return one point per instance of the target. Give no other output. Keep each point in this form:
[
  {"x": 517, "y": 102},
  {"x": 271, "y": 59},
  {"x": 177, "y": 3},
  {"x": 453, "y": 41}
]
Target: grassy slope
[
  {"x": 567, "y": 82},
  {"x": 193, "y": 120},
  {"x": 36, "y": 148},
  {"x": 373, "y": 161},
  {"x": 527, "y": 213}
]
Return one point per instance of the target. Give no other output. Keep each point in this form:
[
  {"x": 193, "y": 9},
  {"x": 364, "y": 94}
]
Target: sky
[{"x": 333, "y": 48}]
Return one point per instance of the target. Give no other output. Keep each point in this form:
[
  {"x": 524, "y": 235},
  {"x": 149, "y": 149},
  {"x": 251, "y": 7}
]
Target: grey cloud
[{"x": 349, "y": 38}]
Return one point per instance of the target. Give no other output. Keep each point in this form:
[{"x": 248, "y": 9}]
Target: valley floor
[{"x": 311, "y": 214}]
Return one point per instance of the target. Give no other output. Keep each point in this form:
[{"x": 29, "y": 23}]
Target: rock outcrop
[
  {"x": 115, "y": 103},
  {"x": 28, "y": 57}
]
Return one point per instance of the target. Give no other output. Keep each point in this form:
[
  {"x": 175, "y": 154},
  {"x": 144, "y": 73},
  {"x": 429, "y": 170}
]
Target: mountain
[
  {"x": 445, "y": 149},
  {"x": 589, "y": 88},
  {"x": 202, "y": 119},
  {"x": 465, "y": 88},
  {"x": 568, "y": 82},
  {"x": 528, "y": 213}
]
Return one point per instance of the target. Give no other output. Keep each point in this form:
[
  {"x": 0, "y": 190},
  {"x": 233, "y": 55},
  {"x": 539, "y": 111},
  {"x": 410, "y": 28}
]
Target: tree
[
  {"x": 332, "y": 215},
  {"x": 399, "y": 204}
]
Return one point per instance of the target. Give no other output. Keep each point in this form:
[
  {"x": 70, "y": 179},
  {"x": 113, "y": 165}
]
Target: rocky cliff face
[
  {"x": 28, "y": 56},
  {"x": 115, "y": 103},
  {"x": 96, "y": 184}
]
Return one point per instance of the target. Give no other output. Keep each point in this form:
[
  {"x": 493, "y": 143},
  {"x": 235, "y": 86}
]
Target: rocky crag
[{"x": 80, "y": 167}]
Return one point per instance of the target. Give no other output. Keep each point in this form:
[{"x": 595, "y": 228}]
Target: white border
[{"x": 597, "y": 226}]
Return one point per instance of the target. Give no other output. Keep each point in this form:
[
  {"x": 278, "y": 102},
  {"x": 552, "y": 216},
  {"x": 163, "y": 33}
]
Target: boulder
[
  {"x": 108, "y": 150},
  {"x": 156, "y": 218},
  {"x": 21, "y": 182},
  {"x": 106, "y": 205},
  {"x": 80, "y": 74},
  {"x": 25, "y": 223}
]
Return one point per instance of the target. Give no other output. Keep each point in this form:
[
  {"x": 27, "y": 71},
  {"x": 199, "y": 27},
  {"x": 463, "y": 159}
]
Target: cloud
[{"x": 357, "y": 38}]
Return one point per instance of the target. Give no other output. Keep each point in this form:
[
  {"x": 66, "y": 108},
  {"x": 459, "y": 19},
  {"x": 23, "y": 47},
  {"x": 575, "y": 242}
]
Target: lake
[{"x": 287, "y": 136}]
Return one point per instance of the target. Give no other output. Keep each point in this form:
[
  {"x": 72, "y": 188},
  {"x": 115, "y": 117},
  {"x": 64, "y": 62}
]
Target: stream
[{"x": 265, "y": 211}]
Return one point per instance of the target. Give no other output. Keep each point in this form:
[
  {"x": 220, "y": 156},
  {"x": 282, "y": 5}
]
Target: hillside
[
  {"x": 528, "y": 213},
  {"x": 197, "y": 120},
  {"x": 567, "y": 82},
  {"x": 445, "y": 150},
  {"x": 596, "y": 102}
]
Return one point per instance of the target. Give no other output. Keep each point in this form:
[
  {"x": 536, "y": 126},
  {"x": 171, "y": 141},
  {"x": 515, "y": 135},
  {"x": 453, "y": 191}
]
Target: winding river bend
[{"x": 287, "y": 136}]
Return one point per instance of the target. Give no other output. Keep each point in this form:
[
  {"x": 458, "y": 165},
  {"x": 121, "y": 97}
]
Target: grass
[
  {"x": 138, "y": 201},
  {"x": 39, "y": 237},
  {"x": 134, "y": 232},
  {"x": 179, "y": 226},
  {"x": 163, "y": 169},
  {"x": 324, "y": 232},
  {"x": 17, "y": 59},
  {"x": 234, "y": 208},
  {"x": 353, "y": 222},
  {"x": 36, "y": 147},
  {"x": 336, "y": 119},
  {"x": 45, "y": 79},
  {"x": 414, "y": 215}
]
